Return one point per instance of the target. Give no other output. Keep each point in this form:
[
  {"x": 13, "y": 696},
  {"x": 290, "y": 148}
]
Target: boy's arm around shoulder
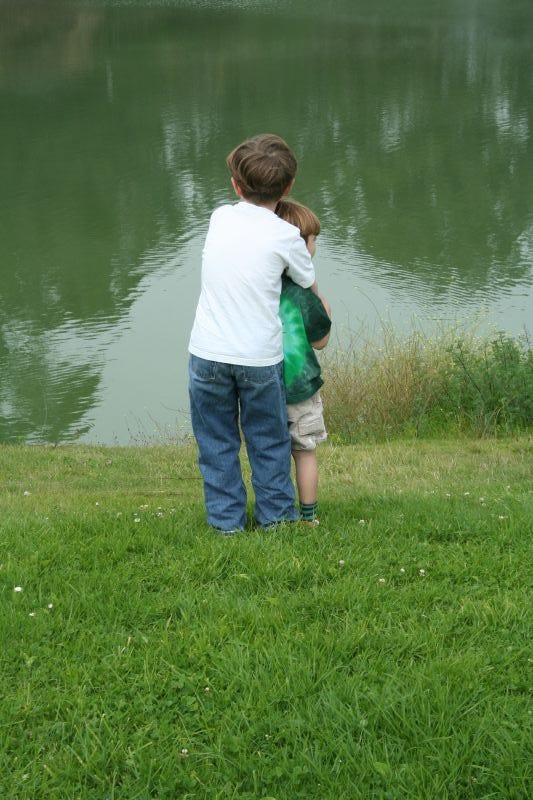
[{"x": 300, "y": 266}]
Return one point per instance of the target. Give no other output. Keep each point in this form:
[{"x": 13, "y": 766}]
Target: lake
[{"x": 412, "y": 124}]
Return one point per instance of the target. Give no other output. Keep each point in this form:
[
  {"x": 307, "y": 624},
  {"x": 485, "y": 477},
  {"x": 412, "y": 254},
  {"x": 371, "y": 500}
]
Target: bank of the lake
[
  {"x": 450, "y": 383},
  {"x": 382, "y": 655}
]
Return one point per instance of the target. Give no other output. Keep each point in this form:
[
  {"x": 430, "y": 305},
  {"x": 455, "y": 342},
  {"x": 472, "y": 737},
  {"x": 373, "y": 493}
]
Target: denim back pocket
[
  {"x": 202, "y": 369},
  {"x": 259, "y": 376}
]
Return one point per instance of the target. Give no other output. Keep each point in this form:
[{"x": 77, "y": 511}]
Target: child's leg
[
  {"x": 306, "y": 464},
  {"x": 264, "y": 424},
  {"x": 214, "y": 415},
  {"x": 306, "y": 475},
  {"x": 306, "y": 426}
]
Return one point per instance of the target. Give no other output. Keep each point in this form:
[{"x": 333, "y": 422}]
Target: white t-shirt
[{"x": 246, "y": 250}]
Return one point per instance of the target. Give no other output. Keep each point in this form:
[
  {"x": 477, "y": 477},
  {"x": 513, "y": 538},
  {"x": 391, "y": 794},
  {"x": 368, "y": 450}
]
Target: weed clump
[{"x": 423, "y": 385}]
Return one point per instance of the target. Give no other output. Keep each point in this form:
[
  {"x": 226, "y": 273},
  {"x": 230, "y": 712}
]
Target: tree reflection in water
[{"x": 413, "y": 131}]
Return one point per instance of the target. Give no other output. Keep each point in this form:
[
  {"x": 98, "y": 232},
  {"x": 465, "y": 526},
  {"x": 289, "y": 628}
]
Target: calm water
[{"x": 412, "y": 123}]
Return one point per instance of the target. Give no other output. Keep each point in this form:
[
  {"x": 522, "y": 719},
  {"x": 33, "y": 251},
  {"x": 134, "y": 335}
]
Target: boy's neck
[{"x": 270, "y": 205}]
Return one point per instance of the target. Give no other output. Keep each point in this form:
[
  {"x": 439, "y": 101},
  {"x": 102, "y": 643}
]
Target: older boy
[
  {"x": 306, "y": 320},
  {"x": 236, "y": 352}
]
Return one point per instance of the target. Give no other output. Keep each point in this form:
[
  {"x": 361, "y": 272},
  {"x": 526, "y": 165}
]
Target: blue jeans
[{"x": 219, "y": 393}]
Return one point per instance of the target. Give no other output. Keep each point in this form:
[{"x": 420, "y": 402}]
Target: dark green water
[{"x": 412, "y": 123}]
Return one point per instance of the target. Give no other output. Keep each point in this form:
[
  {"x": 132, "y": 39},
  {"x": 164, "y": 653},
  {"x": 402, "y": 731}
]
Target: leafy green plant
[{"x": 490, "y": 385}]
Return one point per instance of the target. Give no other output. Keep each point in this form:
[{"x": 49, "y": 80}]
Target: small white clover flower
[
  {"x": 421, "y": 572},
  {"x": 362, "y": 522},
  {"x": 502, "y": 517},
  {"x": 17, "y": 589},
  {"x": 184, "y": 753},
  {"x": 97, "y": 504},
  {"x": 207, "y": 689},
  {"x": 31, "y": 614},
  {"x": 402, "y": 570},
  {"x": 342, "y": 563},
  {"x": 467, "y": 494},
  {"x": 50, "y": 605},
  {"x": 26, "y": 493},
  {"x": 381, "y": 580}
]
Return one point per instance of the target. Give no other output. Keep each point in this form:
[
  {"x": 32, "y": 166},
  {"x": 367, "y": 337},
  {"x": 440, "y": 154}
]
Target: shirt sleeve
[
  {"x": 316, "y": 321},
  {"x": 300, "y": 267}
]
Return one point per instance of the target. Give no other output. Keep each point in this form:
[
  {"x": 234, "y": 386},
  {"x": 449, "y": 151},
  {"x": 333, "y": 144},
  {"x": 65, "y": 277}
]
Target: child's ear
[
  {"x": 288, "y": 189},
  {"x": 236, "y": 187}
]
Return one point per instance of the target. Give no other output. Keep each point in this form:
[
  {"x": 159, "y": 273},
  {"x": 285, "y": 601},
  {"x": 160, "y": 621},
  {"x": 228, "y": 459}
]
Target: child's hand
[{"x": 321, "y": 343}]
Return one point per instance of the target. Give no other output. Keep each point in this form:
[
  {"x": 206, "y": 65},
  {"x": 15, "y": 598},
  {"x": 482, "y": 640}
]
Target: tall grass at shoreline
[
  {"x": 382, "y": 656},
  {"x": 449, "y": 383}
]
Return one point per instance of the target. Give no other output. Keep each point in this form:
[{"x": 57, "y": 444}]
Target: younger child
[
  {"x": 306, "y": 319},
  {"x": 236, "y": 348}
]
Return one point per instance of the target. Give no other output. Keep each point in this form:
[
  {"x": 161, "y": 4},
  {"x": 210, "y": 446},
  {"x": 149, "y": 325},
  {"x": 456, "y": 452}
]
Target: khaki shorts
[{"x": 306, "y": 423}]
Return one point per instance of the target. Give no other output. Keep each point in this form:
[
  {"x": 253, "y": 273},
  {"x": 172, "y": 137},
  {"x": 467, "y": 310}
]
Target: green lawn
[{"x": 385, "y": 654}]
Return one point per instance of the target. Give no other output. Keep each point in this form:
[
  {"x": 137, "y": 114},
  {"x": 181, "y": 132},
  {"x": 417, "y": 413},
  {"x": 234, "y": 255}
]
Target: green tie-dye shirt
[{"x": 304, "y": 320}]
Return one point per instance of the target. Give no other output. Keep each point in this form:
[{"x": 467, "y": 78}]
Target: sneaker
[
  {"x": 232, "y": 531},
  {"x": 311, "y": 523},
  {"x": 274, "y": 526}
]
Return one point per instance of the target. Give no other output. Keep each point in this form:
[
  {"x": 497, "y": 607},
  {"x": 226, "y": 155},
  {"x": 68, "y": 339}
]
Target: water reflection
[
  {"x": 441, "y": 191},
  {"x": 413, "y": 129}
]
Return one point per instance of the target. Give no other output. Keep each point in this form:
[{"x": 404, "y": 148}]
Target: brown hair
[
  {"x": 263, "y": 167},
  {"x": 299, "y": 215}
]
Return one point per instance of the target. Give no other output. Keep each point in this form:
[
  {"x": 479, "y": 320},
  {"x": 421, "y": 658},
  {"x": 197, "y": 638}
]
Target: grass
[
  {"x": 450, "y": 383},
  {"x": 384, "y": 654}
]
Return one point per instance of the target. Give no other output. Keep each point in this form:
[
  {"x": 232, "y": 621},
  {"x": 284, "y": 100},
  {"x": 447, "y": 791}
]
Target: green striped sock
[{"x": 308, "y": 511}]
